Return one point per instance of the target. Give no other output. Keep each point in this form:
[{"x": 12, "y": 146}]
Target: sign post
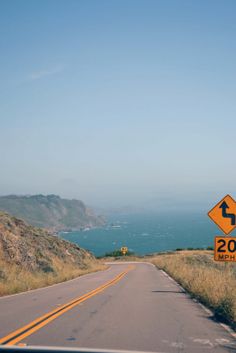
[{"x": 224, "y": 215}]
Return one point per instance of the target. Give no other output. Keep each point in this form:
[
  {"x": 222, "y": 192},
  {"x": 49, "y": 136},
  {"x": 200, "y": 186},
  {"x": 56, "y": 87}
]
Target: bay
[{"x": 148, "y": 233}]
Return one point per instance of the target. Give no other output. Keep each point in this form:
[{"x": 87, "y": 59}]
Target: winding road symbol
[
  {"x": 232, "y": 216},
  {"x": 224, "y": 214}
]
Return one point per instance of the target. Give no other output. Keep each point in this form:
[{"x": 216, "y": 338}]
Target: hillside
[
  {"x": 51, "y": 212},
  {"x": 31, "y": 257}
]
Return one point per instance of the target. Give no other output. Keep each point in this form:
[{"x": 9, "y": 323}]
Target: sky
[{"x": 119, "y": 102}]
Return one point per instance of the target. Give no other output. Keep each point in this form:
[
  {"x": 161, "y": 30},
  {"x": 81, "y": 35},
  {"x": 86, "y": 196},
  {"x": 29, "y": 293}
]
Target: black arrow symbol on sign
[{"x": 232, "y": 216}]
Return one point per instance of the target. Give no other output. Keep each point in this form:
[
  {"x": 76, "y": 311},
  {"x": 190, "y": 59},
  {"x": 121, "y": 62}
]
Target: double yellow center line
[{"x": 25, "y": 331}]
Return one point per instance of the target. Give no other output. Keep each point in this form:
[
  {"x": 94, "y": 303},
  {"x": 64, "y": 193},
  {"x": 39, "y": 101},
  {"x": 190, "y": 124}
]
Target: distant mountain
[{"x": 51, "y": 212}]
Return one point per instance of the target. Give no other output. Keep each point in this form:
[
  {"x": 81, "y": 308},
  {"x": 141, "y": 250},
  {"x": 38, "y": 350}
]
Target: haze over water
[{"x": 148, "y": 233}]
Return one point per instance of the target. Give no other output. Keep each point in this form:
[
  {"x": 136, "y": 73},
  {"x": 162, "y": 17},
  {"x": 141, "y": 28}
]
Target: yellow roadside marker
[{"x": 124, "y": 250}]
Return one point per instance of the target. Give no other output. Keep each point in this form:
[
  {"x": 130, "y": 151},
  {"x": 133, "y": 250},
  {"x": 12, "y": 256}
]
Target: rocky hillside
[
  {"x": 34, "y": 248},
  {"x": 32, "y": 257},
  {"x": 51, "y": 212}
]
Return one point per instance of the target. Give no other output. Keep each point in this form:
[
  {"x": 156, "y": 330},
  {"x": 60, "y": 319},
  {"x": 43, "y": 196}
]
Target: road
[{"x": 128, "y": 306}]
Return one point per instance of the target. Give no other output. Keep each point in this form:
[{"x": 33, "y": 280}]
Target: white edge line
[
  {"x": 229, "y": 329},
  {"x": 207, "y": 310},
  {"x": 173, "y": 280}
]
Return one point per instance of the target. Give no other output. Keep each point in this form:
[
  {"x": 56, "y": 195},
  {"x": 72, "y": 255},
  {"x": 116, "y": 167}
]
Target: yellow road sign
[
  {"x": 225, "y": 249},
  {"x": 224, "y": 214},
  {"x": 124, "y": 250}
]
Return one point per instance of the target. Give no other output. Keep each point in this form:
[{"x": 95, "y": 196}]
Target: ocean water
[{"x": 148, "y": 233}]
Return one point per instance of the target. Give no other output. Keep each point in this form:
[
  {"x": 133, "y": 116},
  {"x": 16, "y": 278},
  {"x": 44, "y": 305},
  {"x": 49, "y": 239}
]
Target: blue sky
[{"x": 119, "y": 102}]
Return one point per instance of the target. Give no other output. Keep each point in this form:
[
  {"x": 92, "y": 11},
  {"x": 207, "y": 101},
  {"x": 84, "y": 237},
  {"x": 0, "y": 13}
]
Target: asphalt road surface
[{"x": 128, "y": 306}]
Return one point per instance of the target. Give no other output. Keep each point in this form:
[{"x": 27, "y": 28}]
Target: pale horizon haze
[{"x": 119, "y": 103}]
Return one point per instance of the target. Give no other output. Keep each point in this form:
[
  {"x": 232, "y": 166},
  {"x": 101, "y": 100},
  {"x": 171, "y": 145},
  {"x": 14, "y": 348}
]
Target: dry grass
[
  {"x": 214, "y": 284},
  {"x": 14, "y": 279}
]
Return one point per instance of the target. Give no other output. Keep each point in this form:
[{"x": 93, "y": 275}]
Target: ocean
[{"x": 148, "y": 233}]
